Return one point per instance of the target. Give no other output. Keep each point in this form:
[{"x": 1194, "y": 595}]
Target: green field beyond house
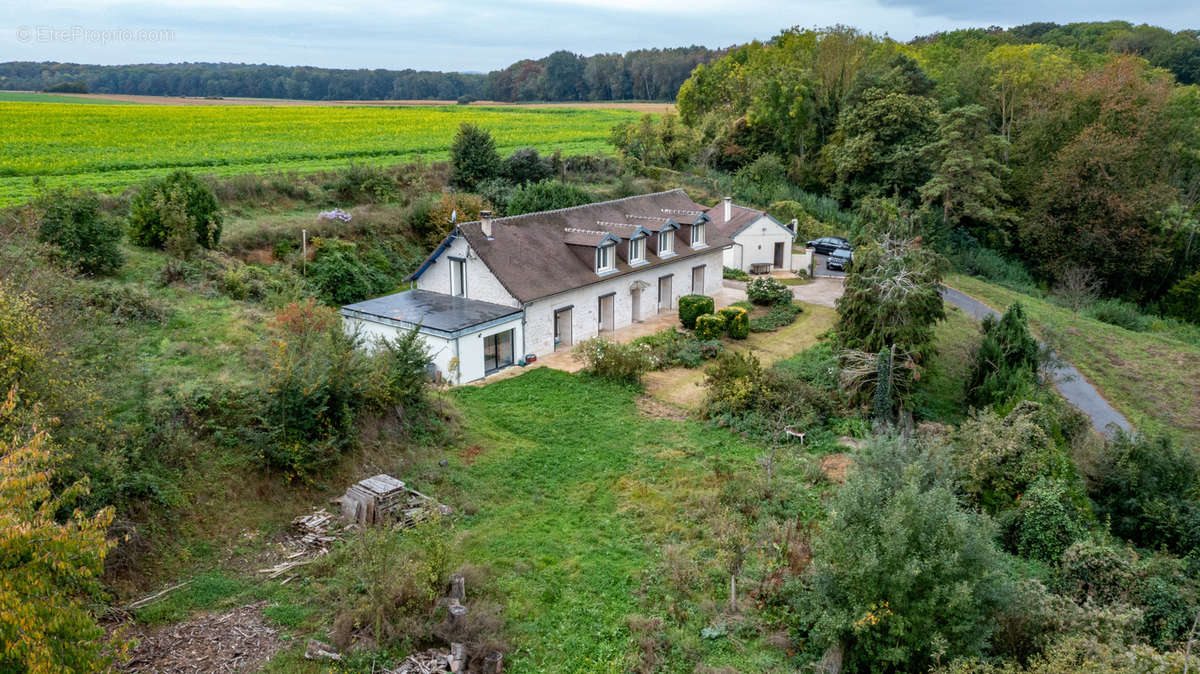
[{"x": 109, "y": 147}]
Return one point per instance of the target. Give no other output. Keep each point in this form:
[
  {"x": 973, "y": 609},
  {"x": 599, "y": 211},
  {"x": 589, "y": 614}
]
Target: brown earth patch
[
  {"x": 835, "y": 466},
  {"x": 239, "y": 640},
  {"x": 471, "y": 453},
  {"x": 658, "y": 409}
]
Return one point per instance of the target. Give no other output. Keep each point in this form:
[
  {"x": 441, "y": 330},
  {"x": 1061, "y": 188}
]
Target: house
[
  {"x": 760, "y": 242},
  {"x": 500, "y": 288}
]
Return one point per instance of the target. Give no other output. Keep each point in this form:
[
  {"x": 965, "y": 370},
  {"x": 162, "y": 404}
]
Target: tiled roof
[{"x": 540, "y": 254}]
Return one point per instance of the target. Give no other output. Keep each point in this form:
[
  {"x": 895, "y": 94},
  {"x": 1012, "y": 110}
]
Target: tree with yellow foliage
[{"x": 50, "y": 560}]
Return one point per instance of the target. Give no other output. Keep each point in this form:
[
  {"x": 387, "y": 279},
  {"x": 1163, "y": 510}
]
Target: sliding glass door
[{"x": 497, "y": 351}]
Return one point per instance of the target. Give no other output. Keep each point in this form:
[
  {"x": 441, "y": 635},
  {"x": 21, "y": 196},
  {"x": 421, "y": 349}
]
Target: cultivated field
[{"x": 110, "y": 147}]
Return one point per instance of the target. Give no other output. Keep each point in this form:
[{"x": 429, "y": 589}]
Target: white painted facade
[
  {"x": 584, "y": 302},
  {"x": 482, "y": 284},
  {"x": 756, "y": 243}
]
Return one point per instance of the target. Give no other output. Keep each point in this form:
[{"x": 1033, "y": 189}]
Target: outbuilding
[{"x": 760, "y": 242}]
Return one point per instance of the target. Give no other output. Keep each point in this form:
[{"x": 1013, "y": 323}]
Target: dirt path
[{"x": 1067, "y": 379}]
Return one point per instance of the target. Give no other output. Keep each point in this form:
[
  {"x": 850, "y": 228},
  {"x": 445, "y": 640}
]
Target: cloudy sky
[{"x": 478, "y": 35}]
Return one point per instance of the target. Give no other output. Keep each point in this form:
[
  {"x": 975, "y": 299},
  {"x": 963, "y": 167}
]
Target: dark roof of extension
[
  {"x": 540, "y": 254},
  {"x": 435, "y": 311}
]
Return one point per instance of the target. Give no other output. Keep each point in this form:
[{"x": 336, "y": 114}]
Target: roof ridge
[{"x": 594, "y": 203}]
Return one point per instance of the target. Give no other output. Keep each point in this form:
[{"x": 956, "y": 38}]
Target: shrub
[
  {"x": 546, "y": 195},
  {"x": 737, "y": 322},
  {"x": 497, "y": 192},
  {"x": 778, "y": 316},
  {"x": 1119, "y": 313},
  {"x": 433, "y": 217},
  {"x": 179, "y": 194},
  {"x": 767, "y": 291},
  {"x": 613, "y": 361},
  {"x": 1148, "y": 489},
  {"x": 709, "y": 326},
  {"x": 903, "y": 576},
  {"x": 363, "y": 183},
  {"x": 473, "y": 157},
  {"x": 465, "y": 99},
  {"x": 999, "y": 458},
  {"x": 340, "y": 277},
  {"x": 733, "y": 384},
  {"x": 1005, "y": 363},
  {"x": 1183, "y": 299},
  {"x": 71, "y": 221},
  {"x": 734, "y": 274},
  {"x": 692, "y": 307},
  {"x": 1046, "y": 522},
  {"x": 54, "y": 558},
  {"x": 672, "y": 348},
  {"x": 525, "y": 166},
  {"x": 1097, "y": 571}
]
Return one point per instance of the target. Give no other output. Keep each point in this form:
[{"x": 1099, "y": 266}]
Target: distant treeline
[
  {"x": 651, "y": 74},
  {"x": 1178, "y": 52}
]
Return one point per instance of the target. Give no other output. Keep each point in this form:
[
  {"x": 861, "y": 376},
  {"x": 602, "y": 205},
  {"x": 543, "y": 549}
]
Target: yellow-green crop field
[{"x": 109, "y": 147}]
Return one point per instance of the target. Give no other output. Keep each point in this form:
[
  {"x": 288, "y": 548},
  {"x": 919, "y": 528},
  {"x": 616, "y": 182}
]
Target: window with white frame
[
  {"x": 637, "y": 250},
  {"x": 605, "y": 259},
  {"x": 698, "y": 235},
  {"x": 458, "y": 277},
  {"x": 666, "y": 243}
]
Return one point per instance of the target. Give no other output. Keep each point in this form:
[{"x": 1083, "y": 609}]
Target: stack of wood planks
[{"x": 383, "y": 498}]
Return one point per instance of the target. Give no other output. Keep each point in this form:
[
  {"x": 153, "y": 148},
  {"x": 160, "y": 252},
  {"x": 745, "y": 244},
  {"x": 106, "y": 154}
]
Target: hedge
[
  {"x": 767, "y": 291},
  {"x": 709, "y": 326},
  {"x": 692, "y": 306},
  {"x": 737, "y": 322}
]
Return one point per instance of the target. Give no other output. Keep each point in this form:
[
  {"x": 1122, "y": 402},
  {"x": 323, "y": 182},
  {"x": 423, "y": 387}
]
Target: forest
[
  {"x": 1085, "y": 164},
  {"x": 643, "y": 74}
]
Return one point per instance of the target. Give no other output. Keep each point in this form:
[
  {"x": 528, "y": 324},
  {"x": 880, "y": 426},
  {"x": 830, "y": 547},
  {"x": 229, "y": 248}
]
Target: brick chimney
[
  {"x": 485, "y": 223},
  {"x": 728, "y": 208}
]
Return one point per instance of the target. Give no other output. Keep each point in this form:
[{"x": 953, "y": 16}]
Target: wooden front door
[
  {"x": 605, "y": 313},
  {"x": 779, "y": 255},
  {"x": 563, "y": 320},
  {"x": 698, "y": 280},
  {"x": 664, "y": 293},
  {"x": 635, "y": 305}
]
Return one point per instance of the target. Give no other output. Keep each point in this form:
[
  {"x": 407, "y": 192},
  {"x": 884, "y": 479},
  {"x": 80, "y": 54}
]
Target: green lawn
[
  {"x": 576, "y": 490},
  {"x": 940, "y": 393},
  {"x": 1152, "y": 379}
]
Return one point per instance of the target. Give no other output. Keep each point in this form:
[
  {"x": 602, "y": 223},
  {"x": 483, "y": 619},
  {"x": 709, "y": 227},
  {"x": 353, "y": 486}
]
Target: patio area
[{"x": 563, "y": 360}]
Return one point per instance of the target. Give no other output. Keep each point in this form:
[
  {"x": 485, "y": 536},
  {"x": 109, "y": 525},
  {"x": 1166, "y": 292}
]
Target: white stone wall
[
  {"x": 482, "y": 284},
  {"x": 539, "y": 315},
  {"x": 758, "y": 245}
]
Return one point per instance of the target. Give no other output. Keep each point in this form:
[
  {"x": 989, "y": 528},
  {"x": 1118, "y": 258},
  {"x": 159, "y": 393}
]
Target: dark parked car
[
  {"x": 827, "y": 244},
  {"x": 839, "y": 260}
]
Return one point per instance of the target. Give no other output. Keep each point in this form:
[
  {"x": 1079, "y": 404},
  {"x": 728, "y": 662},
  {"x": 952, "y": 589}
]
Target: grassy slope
[
  {"x": 110, "y": 148},
  {"x": 1150, "y": 378},
  {"x": 941, "y": 395},
  {"x": 572, "y": 492}
]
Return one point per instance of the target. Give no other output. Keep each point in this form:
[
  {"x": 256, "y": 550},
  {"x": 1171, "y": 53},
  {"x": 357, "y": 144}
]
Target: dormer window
[
  {"x": 637, "y": 250},
  {"x": 698, "y": 235},
  {"x": 666, "y": 243},
  {"x": 606, "y": 258}
]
